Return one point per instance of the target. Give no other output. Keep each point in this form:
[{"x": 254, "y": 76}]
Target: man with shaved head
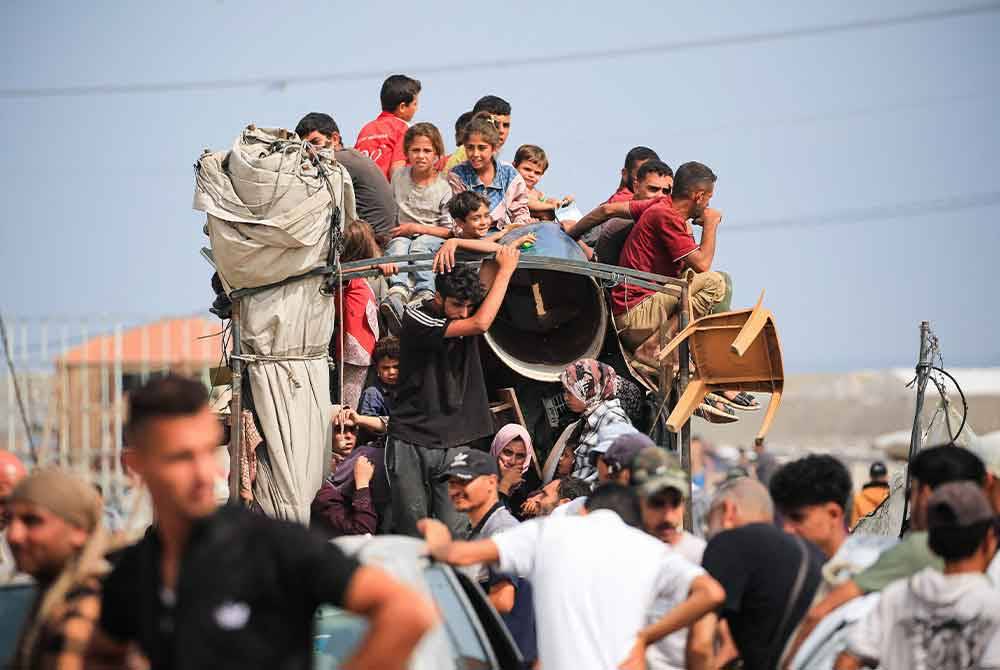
[
  {"x": 769, "y": 576},
  {"x": 11, "y": 472}
]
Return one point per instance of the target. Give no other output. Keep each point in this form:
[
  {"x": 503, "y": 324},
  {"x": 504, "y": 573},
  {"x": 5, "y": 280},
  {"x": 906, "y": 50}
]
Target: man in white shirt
[
  {"x": 595, "y": 577},
  {"x": 938, "y": 620},
  {"x": 662, "y": 486}
]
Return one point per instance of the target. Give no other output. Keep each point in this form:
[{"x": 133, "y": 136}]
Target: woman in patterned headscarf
[{"x": 590, "y": 390}]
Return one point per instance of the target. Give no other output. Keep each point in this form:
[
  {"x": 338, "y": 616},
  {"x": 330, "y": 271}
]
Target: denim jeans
[
  {"x": 416, "y": 490},
  {"x": 421, "y": 244}
]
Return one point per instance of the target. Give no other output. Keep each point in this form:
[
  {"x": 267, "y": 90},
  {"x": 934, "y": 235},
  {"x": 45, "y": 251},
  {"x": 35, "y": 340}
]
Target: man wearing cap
[
  {"x": 871, "y": 494},
  {"x": 473, "y": 477},
  {"x": 663, "y": 490},
  {"x": 56, "y": 537},
  {"x": 595, "y": 577},
  {"x": 11, "y": 472},
  {"x": 988, "y": 451},
  {"x": 662, "y": 487},
  {"x": 938, "y": 620}
]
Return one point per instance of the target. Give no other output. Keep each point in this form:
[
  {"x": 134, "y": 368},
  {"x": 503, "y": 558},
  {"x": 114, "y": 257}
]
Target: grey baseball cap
[{"x": 958, "y": 504}]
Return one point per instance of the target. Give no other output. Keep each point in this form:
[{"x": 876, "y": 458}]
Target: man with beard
[{"x": 472, "y": 478}]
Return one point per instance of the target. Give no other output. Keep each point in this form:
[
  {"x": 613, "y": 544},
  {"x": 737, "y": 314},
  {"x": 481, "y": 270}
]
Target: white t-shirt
[
  {"x": 669, "y": 653},
  {"x": 993, "y": 572},
  {"x": 594, "y": 580},
  {"x": 933, "y": 621}
]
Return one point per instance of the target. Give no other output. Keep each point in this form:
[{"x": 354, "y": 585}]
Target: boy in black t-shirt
[{"x": 441, "y": 401}]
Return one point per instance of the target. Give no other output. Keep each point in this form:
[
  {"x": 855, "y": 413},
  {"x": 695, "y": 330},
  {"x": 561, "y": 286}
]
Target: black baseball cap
[
  {"x": 877, "y": 469},
  {"x": 468, "y": 464}
]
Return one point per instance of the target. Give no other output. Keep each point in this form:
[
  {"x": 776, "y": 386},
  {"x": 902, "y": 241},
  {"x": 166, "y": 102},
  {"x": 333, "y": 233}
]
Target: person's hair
[
  {"x": 954, "y": 543},
  {"x": 318, "y": 121},
  {"x": 530, "y": 152},
  {"x": 170, "y": 396},
  {"x": 654, "y": 166},
  {"x": 386, "y": 347},
  {"x": 482, "y": 124},
  {"x": 637, "y": 155},
  {"x": 465, "y": 203},
  {"x": 619, "y": 499},
  {"x": 460, "y": 123},
  {"x": 750, "y": 497},
  {"x": 572, "y": 488},
  {"x": 359, "y": 242},
  {"x": 934, "y": 466},
  {"x": 398, "y": 89},
  {"x": 812, "y": 480},
  {"x": 462, "y": 283},
  {"x": 493, "y": 105},
  {"x": 424, "y": 129},
  {"x": 692, "y": 177}
]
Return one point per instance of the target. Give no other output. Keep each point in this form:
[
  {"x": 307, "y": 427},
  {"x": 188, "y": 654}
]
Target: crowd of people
[{"x": 584, "y": 551}]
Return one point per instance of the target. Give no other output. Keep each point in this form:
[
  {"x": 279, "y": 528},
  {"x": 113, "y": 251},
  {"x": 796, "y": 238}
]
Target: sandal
[
  {"x": 713, "y": 411},
  {"x": 743, "y": 401}
]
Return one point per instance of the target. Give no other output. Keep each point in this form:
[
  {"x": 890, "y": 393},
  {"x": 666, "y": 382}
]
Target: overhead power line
[
  {"x": 903, "y": 210},
  {"x": 281, "y": 82}
]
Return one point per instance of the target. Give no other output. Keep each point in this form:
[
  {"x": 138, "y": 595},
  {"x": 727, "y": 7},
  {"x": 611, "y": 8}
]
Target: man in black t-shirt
[
  {"x": 769, "y": 576},
  {"x": 211, "y": 587},
  {"x": 441, "y": 401}
]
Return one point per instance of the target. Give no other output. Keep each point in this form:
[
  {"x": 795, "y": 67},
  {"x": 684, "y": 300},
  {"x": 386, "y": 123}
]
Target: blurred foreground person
[
  {"x": 211, "y": 587},
  {"x": 938, "y": 620},
  {"x": 11, "y": 472},
  {"x": 55, "y": 535}
]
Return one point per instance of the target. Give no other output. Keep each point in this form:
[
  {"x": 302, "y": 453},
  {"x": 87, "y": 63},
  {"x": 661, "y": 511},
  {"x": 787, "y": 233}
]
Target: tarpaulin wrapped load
[{"x": 270, "y": 212}]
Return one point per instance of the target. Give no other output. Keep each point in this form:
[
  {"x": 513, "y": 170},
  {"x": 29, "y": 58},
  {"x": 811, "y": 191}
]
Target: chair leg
[
  {"x": 689, "y": 401},
  {"x": 772, "y": 409}
]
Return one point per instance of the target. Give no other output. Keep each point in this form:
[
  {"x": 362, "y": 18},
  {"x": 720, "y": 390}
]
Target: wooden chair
[
  {"x": 508, "y": 410},
  {"x": 732, "y": 351}
]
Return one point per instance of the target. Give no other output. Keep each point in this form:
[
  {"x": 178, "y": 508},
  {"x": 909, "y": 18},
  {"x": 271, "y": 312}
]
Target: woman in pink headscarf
[{"x": 513, "y": 449}]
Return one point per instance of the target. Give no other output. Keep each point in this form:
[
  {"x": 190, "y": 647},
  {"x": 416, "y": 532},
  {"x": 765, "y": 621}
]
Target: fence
[{"x": 74, "y": 375}]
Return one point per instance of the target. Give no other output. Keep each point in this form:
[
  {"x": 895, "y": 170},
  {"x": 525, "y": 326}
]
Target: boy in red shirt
[{"x": 382, "y": 139}]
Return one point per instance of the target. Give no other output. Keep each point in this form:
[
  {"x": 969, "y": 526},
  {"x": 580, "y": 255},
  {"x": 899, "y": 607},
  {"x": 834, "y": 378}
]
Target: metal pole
[
  {"x": 683, "y": 374},
  {"x": 65, "y": 418},
  {"x": 236, "y": 408},
  {"x": 923, "y": 368}
]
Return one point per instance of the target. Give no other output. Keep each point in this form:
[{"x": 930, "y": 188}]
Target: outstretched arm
[
  {"x": 441, "y": 547},
  {"x": 397, "y": 617},
  {"x": 598, "y": 216}
]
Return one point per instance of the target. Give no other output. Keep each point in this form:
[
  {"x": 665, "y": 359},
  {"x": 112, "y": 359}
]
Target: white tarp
[{"x": 269, "y": 213}]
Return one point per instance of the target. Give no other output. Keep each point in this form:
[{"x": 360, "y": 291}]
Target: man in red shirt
[
  {"x": 382, "y": 139},
  {"x": 633, "y": 161},
  {"x": 662, "y": 243}
]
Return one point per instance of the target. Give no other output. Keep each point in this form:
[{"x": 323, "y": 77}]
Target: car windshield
[{"x": 338, "y": 633}]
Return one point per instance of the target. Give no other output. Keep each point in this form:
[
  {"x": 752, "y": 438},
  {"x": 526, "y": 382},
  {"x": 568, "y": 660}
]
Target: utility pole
[{"x": 916, "y": 436}]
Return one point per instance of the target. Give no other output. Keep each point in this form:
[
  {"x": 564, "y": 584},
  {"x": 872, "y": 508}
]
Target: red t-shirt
[
  {"x": 621, "y": 195},
  {"x": 382, "y": 141},
  {"x": 659, "y": 241}
]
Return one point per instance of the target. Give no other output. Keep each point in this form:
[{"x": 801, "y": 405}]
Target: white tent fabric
[{"x": 269, "y": 211}]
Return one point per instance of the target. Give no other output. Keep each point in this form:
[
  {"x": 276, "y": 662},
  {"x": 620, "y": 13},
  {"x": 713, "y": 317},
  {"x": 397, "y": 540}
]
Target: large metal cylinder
[{"x": 549, "y": 318}]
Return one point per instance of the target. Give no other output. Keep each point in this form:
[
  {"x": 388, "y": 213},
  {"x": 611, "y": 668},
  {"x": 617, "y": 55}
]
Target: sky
[{"x": 856, "y": 143}]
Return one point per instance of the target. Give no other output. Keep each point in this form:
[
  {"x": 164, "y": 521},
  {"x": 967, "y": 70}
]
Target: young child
[
  {"x": 482, "y": 173},
  {"x": 422, "y": 196},
  {"x": 376, "y": 400},
  {"x": 531, "y": 163},
  {"x": 938, "y": 619},
  {"x": 382, "y": 139},
  {"x": 472, "y": 233}
]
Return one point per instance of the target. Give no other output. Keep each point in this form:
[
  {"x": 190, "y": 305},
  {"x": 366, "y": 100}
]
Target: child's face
[
  {"x": 408, "y": 110},
  {"x": 422, "y": 155},
  {"x": 479, "y": 152},
  {"x": 475, "y": 225},
  {"x": 388, "y": 370},
  {"x": 531, "y": 172}
]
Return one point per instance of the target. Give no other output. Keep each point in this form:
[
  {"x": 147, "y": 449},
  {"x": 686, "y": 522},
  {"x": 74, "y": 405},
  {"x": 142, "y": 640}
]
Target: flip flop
[
  {"x": 743, "y": 401},
  {"x": 715, "y": 412}
]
